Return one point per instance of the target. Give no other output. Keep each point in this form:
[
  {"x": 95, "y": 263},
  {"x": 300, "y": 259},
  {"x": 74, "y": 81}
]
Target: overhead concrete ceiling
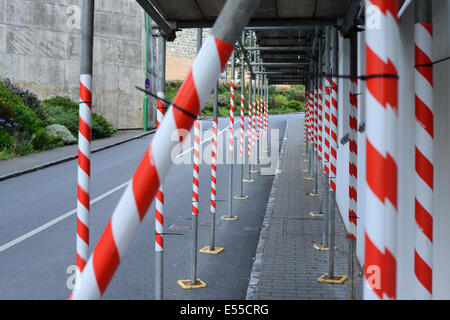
[{"x": 286, "y": 13}]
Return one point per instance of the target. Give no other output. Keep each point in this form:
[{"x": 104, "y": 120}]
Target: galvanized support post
[
  {"x": 254, "y": 114},
  {"x": 159, "y": 254},
  {"x": 84, "y": 135},
  {"x": 231, "y": 149},
  {"x": 195, "y": 216},
  {"x": 258, "y": 98},
  {"x": 153, "y": 73},
  {"x": 241, "y": 195},
  {"x": 325, "y": 176},
  {"x": 213, "y": 212},
  {"x": 145, "y": 111},
  {"x": 249, "y": 131},
  {"x": 334, "y": 70}
]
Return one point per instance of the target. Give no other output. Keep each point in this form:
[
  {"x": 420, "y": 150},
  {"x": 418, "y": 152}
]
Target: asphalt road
[{"x": 38, "y": 226}]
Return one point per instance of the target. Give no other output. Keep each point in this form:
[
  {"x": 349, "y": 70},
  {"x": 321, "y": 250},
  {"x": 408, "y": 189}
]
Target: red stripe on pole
[
  {"x": 353, "y": 170},
  {"x": 391, "y": 180},
  {"x": 105, "y": 258},
  {"x": 85, "y": 95},
  {"x": 420, "y": 59},
  {"x": 353, "y": 194},
  {"x": 224, "y": 50},
  {"x": 84, "y": 163},
  {"x": 381, "y": 87},
  {"x": 186, "y": 98},
  {"x": 84, "y": 129},
  {"x": 424, "y": 115},
  {"x": 83, "y": 197},
  {"x": 81, "y": 263},
  {"x": 389, "y": 283},
  {"x": 374, "y": 168},
  {"x": 423, "y": 220},
  {"x": 424, "y": 168},
  {"x": 387, "y": 6},
  {"x": 423, "y": 272},
  {"x": 82, "y": 231},
  {"x": 353, "y": 146},
  {"x": 159, "y": 239},
  {"x": 145, "y": 183},
  {"x": 373, "y": 266}
]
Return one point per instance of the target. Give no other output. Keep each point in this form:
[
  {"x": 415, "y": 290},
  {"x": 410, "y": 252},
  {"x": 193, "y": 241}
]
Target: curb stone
[
  {"x": 65, "y": 159},
  {"x": 253, "y": 287}
]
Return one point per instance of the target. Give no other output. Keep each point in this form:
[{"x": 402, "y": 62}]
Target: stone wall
[
  {"x": 181, "y": 52},
  {"x": 40, "y": 50}
]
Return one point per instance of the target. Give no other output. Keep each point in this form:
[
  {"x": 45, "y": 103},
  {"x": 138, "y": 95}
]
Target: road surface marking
[
  {"x": 218, "y": 134},
  {"x": 58, "y": 219}
]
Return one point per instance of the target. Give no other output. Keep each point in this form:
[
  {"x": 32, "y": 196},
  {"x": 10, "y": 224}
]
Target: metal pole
[
  {"x": 153, "y": 71},
  {"x": 214, "y": 163},
  {"x": 84, "y": 135},
  {"x": 352, "y": 239},
  {"x": 423, "y": 86},
  {"x": 254, "y": 115},
  {"x": 258, "y": 118},
  {"x": 249, "y": 131},
  {"x": 147, "y": 27},
  {"x": 241, "y": 195},
  {"x": 325, "y": 176},
  {"x": 195, "y": 216},
  {"x": 159, "y": 218},
  {"x": 231, "y": 144},
  {"x": 332, "y": 144}
]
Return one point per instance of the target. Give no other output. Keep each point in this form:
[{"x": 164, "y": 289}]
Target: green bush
[
  {"x": 62, "y": 110},
  {"x": 7, "y": 141},
  {"x": 293, "y": 104}
]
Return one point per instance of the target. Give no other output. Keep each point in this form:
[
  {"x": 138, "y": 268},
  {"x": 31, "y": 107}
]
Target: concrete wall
[
  {"x": 406, "y": 171},
  {"x": 40, "y": 50}
]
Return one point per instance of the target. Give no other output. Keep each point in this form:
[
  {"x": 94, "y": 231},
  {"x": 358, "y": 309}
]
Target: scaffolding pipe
[
  {"x": 333, "y": 151},
  {"x": 353, "y": 168},
  {"x": 231, "y": 141},
  {"x": 424, "y": 151},
  {"x": 159, "y": 199},
  {"x": 381, "y": 156},
  {"x": 155, "y": 165},
  {"x": 84, "y": 135},
  {"x": 214, "y": 169},
  {"x": 241, "y": 195}
]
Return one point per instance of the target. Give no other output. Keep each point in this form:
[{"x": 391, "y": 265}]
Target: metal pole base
[
  {"x": 187, "y": 284},
  {"x": 229, "y": 218},
  {"x": 240, "y": 197},
  {"x": 321, "y": 247},
  {"x": 337, "y": 279},
  {"x": 316, "y": 214},
  {"x": 206, "y": 249}
]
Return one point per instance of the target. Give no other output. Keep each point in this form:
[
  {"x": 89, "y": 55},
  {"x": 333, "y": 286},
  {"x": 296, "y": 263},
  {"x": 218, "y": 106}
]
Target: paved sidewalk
[
  {"x": 287, "y": 266},
  {"x": 35, "y": 161}
]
